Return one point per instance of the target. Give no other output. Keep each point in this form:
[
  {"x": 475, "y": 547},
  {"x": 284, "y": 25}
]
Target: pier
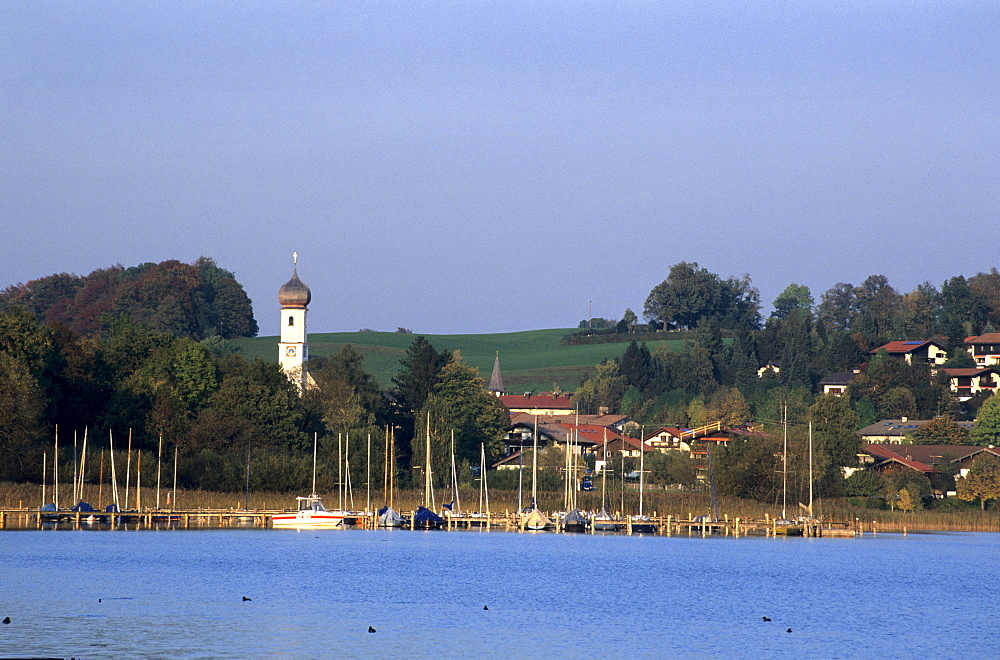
[{"x": 670, "y": 525}]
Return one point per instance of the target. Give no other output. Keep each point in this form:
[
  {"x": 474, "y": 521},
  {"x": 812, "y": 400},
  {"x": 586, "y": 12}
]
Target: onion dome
[{"x": 294, "y": 293}]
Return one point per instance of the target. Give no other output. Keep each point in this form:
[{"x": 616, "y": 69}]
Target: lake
[{"x": 314, "y": 594}]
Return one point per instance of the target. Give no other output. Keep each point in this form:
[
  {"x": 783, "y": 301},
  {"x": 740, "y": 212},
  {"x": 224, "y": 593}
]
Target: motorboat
[{"x": 310, "y": 514}]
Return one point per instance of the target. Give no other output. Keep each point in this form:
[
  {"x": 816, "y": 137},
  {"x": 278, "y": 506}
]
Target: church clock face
[{"x": 290, "y": 351}]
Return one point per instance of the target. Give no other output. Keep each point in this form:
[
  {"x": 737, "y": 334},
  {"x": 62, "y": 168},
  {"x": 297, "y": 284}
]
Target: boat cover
[
  {"x": 83, "y": 507},
  {"x": 535, "y": 519},
  {"x": 574, "y": 517},
  {"x": 389, "y": 517},
  {"x": 48, "y": 507},
  {"x": 424, "y": 516}
]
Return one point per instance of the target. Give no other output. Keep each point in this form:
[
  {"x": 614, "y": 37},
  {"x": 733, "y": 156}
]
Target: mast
[
  {"x": 642, "y": 465},
  {"x": 604, "y": 472},
  {"x": 100, "y": 483},
  {"x": 784, "y": 463},
  {"x": 76, "y": 471},
  {"x": 174, "y": 500},
  {"x": 83, "y": 462},
  {"x": 128, "y": 467},
  {"x": 340, "y": 473},
  {"x": 159, "y": 465},
  {"x": 368, "y": 479},
  {"x": 138, "y": 480},
  {"x": 456, "y": 502},
  {"x": 55, "y": 469},
  {"x": 392, "y": 466},
  {"x": 348, "y": 486},
  {"x": 114, "y": 475},
  {"x": 246, "y": 487},
  {"x": 534, "y": 465},
  {"x": 810, "y": 468},
  {"x": 486, "y": 488},
  {"x": 315, "y": 447},
  {"x": 45, "y": 468},
  {"x": 428, "y": 488}
]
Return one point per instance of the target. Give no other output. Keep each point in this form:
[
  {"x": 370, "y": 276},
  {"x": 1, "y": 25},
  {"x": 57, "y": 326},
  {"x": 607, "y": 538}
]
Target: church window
[{"x": 291, "y": 321}]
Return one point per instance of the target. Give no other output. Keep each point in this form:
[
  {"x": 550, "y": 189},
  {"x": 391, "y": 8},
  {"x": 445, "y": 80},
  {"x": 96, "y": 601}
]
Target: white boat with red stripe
[{"x": 310, "y": 514}]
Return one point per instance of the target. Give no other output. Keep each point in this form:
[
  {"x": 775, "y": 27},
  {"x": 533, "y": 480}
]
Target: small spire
[{"x": 496, "y": 380}]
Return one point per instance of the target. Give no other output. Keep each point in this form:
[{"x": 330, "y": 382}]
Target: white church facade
[{"x": 293, "y": 350}]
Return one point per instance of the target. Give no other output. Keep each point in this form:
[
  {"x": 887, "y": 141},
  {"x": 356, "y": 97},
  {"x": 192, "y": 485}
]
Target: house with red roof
[
  {"x": 937, "y": 462},
  {"x": 548, "y": 403},
  {"x": 914, "y": 352},
  {"x": 985, "y": 349}
]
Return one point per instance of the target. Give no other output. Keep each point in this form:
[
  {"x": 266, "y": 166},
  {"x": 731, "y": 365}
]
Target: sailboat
[
  {"x": 310, "y": 512},
  {"x": 531, "y": 517},
  {"x": 642, "y": 524},
  {"x": 423, "y": 517},
  {"x": 388, "y": 516},
  {"x": 481, "y": 518},
  {"x": 574, "y": 520},
  {"x": 603, "y": 521}
]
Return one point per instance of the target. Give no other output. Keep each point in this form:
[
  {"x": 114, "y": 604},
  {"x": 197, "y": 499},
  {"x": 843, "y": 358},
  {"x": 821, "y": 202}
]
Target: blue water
[{"x": 179, "y": 593}]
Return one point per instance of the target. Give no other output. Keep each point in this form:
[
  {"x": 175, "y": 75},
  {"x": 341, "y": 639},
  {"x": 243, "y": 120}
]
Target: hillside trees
[{"x": 187, "y": 300}]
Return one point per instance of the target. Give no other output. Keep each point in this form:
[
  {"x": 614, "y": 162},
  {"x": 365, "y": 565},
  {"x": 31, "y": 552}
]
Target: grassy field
[{"x": 532, "y": 360}]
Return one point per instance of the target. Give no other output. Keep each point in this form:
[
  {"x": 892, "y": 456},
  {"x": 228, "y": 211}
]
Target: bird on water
[
  {"x": 245, "y": 599},
  {"x": 6, "y": 619},
  {"x": 486, "y": 607},
  {"x": 764, "y": 618},
  {"x": 370, "y": 629}
]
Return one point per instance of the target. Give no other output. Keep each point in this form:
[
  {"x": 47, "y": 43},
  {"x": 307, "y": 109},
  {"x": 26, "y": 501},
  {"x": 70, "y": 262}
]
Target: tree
[
  {"x": 605, "y": 388},
  {"x": 636, "y": 366},
  {"x": 476, "y": 415},
  {"x": 421, "y": 367},
  {"x": 795, "y": 296},
  {"x": 729, "y": 407},
  {"x": 669, "y": 468},
  {"x": 21, "y": 407},
  {"x": 982, "y": 482},
  {"x": 348, "y": 397},
  {"x": 838, "y": 306},
  {"x": 986, "y": 430},
  {"x": 907, "y": 500},
  {"x": 689, "y": 294},
  {"x": 834, "y": 429},
  {"x": 630, "y": 320},
  {"x": 941, "y": 431}
]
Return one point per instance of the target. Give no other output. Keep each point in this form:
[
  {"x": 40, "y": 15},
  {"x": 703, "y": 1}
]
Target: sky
[{"x": 473, "y": 167}]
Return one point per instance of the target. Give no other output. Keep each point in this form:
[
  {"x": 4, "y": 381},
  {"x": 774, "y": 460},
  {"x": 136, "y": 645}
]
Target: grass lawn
[{"x": 531, "y": 361}]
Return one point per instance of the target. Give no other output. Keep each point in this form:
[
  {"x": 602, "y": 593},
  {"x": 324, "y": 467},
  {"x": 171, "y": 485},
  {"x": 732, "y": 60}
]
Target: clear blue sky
[{"x": 493, "y": 166}]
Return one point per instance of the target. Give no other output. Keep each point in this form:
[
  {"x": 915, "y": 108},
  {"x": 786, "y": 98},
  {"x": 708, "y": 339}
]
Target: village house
[
  {"x": 549, "y": 403},
  {"x": 915, "y": 352},
  {"x": 894, "y": 431},
  {"x": 836, "y": 384},
  {"x": 939, "y": 463},
  {"x": 966, "y": 383},
  {"x": 985, "y": 349}
]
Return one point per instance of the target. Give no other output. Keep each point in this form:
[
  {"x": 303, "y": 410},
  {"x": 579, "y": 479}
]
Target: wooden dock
[{"x": 669, "y": 525}]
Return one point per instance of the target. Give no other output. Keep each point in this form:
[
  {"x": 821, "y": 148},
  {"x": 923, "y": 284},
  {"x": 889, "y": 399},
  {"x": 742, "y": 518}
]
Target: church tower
[{"x": 293, "y": 351}]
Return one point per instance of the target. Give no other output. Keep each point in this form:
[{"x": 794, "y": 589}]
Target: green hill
[{"x": 532, "y": 360}]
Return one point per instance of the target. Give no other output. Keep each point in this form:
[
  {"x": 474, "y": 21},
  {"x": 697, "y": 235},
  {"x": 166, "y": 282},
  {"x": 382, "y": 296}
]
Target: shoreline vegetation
[{"x": 678, "y": 504}]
